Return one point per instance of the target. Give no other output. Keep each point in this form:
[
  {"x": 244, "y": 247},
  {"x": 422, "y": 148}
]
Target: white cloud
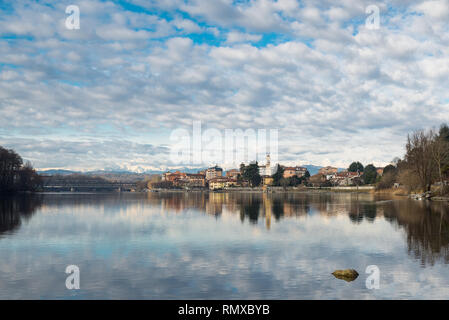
[
  {"x": 233, "y": 37},
  {"x": 438, "y": 9},
  {"x": 336, "y": 91}
]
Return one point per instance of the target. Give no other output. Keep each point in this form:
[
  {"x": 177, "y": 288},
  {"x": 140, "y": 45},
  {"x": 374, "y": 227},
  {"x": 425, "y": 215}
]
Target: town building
[
  {"x": 289, "y": 172},
  {"x": 294, "y": 171},
  {"x": 181, "y": 179},
  {"x": 300, "y": 171},
  {"x": 173, "y": 176},
  {"x": 233, "y": 173},
  {"x": 221, "y": 183},
  {"x": 346, "y": 178},
  {"x": 214, "y": 172},
  {"x": 196, "y": 180}
]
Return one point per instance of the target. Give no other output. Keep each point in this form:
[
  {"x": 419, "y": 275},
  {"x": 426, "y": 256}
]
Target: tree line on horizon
[{"x": 15, "y": 175}]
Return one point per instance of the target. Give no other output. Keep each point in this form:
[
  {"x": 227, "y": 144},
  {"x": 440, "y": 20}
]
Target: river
[{"x": 222, "y": 246}]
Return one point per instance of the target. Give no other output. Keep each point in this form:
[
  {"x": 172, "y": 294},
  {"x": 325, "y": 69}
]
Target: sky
[{"x": 110, "y": 94}]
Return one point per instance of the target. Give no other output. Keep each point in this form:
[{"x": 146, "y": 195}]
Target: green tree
[
  {"x": 355, "y": 166},
  {"x": 390, "y": 168},
  {"x": 295, "y": 181},
  {"x": 251, "y": 174},
  {"x": 388, "y": 178},
  {"x": 277, "y": 176},
  {"x": 369, "y": 174}
]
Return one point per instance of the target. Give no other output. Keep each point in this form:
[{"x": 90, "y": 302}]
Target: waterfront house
[
  {"x": 173, "y": 176},
  {"x": 300, "y": 171},
  {"x": 294, "y": 171},
  {"x": 221, "y": 183},
  {"x": 289, "y": 172},
  {"x": 345, "y": 178},
  {"x": 196, "y": 180}
]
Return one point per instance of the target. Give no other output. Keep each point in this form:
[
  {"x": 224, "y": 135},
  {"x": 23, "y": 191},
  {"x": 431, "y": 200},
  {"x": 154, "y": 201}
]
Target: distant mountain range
[
  {"x": 114, "y": 175},
  {"x": 53, "y": 172},
  {"x": 312, "y": 169},
  {"x": 62, "y": 172}
]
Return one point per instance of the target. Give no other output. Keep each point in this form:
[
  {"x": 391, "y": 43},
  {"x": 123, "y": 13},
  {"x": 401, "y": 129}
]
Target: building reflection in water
[{"x": 425, "y": 224}]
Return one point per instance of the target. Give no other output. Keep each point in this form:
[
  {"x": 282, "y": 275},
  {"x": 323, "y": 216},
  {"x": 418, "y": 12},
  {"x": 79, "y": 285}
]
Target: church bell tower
[{"x": 268, "y": 165}]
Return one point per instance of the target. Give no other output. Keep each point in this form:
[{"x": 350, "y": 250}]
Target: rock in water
[{"x": 347, "y": 275}]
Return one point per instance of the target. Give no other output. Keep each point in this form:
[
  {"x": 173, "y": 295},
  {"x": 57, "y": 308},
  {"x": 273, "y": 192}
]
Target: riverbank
[
  {"x": 393, "y": 191},
  {"x": 431, "y": 196}
]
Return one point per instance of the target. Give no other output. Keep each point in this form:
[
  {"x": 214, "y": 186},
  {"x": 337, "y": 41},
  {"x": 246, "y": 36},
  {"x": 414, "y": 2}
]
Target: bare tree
[
  {"x": 440, "y": 155},
  {"x": 419, "y": 157},
  {"x": 28, "y": 179},
  {"x": 10, "y": 163},
  {"x": 14, "y": 176}
]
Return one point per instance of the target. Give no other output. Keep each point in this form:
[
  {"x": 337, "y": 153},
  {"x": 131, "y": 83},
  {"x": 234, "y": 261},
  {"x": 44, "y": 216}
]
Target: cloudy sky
[{"x": 110, "y": 94}]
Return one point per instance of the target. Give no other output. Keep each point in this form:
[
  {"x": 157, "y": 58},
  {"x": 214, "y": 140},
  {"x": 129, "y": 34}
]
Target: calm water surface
[{"x": 222, "y": 246}]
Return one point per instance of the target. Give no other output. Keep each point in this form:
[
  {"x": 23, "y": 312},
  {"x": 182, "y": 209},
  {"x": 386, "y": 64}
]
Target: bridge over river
[{"x": 94, "y": 184}]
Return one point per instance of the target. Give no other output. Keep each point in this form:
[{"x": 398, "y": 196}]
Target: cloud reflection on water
[{"x": 222, "y": 245}]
